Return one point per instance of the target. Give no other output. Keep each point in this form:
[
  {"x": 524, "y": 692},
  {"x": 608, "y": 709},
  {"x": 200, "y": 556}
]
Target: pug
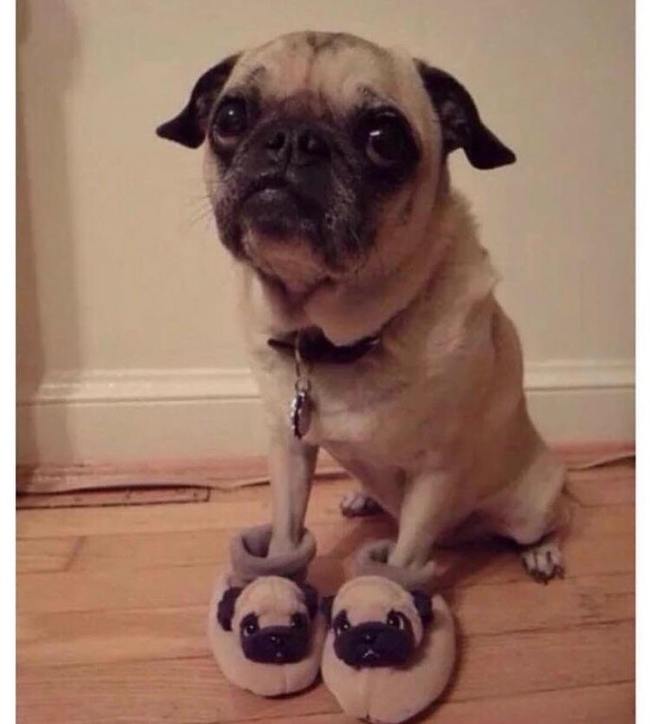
[
  {"x": 389, "y": 652},
  {"x": 376, "y": 622},
  {"x": 272, "y": 617},
  {"x": 266, "y": 635},
  {"x": 368, "y": 301}
]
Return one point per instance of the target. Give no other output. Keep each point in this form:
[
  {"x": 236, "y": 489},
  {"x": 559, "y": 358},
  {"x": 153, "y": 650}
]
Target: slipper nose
[{"x": 277, "y": 640}]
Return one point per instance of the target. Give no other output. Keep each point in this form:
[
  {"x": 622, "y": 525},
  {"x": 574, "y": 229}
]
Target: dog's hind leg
[
  {"x": 358, "y": 504},
  {"x": 540, "y": 538},
  {"x": 543, "y": 558},
  {"x": 380, "y": 490},
  {"x": 534, "y": 512}
]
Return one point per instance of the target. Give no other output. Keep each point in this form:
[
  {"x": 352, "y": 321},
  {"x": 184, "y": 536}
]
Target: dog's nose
[
  {"x": 277, "y": 144},
  {"x": 300, "y": 146},
  {"x": 311, "y": 146}
]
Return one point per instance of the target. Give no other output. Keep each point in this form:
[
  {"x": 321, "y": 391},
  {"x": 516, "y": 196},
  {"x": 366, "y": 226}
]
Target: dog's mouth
[
  {"x": 266, "y": 183},
  {"x": 275, "y": 207},
  {"x": 299, "y": 236},
  {"x": 282, "y": 235}
]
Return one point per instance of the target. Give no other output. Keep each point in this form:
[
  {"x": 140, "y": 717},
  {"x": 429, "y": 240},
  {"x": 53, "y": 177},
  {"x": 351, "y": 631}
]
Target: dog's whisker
[
  {"x": 435, "y": 424},
  {"x": 200, "y": 214}
]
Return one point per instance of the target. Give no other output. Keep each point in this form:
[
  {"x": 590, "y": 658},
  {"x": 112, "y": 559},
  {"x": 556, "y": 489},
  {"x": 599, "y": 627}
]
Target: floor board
[{"x": 112, "y": 605}]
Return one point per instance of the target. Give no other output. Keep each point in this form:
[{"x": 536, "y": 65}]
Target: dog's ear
[
  {"x": 422, "y": 603},
  {"x": 189, "y": 126},
  {"x": 226, "y": 607},
  {"x": 326, "y": 604},
  {"x": 461, "y": 124},
  {"x": 311, "y": 598}
]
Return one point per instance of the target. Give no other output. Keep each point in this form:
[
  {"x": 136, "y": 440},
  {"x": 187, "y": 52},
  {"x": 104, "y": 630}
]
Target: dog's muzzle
[{"x": 290, "y": 177}]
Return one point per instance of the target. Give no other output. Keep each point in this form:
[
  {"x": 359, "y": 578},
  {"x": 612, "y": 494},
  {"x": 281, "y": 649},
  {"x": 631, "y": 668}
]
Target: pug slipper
[
  {"x": 267, "y": 636},
  {"x": 389, "y": 652},
  {"x": 250, "y": 558}
]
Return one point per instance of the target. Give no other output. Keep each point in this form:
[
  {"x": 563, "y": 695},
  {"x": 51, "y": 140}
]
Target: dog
[
  {"x": 272, "y": 616},
  {"x": 368, "y": 300}
]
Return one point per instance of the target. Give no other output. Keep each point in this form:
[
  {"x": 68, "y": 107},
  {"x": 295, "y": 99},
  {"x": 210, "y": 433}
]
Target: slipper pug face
[
  {"x": 272, "y": 616},
  {"x": 325, "y": 154},
  {"x": 376, "y": 622}
]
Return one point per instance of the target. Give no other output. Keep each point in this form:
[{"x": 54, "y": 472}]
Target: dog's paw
[
  {"x": 356, "y": 504},
  {"x": 543, "y": 561}
]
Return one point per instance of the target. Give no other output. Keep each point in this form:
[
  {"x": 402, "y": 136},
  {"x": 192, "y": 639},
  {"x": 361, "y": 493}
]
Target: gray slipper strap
[
  {"x": 371, "y": 560},
  {"x": 250, "y": 560}
]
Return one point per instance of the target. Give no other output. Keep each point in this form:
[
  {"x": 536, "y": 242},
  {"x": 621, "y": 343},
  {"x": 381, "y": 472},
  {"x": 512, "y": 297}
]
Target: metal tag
[{"x": 301, "y": 408}]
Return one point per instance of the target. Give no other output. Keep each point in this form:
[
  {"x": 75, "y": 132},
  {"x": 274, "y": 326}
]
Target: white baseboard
[{"x": 135, "y": 415}]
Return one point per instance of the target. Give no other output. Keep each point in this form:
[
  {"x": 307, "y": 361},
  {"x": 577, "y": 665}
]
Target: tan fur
[
  {"x": 272, "y": 599},
  {"x": 275, "y": 596},
  {"x": 434, "y": 424},
  {"x": 372, "y": 598},
  {"x": 390, "y": 694}
]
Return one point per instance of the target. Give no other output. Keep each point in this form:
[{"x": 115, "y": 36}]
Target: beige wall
[{"x": 128, "y": 338}]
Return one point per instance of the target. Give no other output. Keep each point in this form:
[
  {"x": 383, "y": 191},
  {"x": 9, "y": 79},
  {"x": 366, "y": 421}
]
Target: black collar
[{"x": 315, "y": 347}]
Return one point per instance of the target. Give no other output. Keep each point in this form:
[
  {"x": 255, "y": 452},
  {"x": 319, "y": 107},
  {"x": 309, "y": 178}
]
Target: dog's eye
[
  {"x": 395, "y": 619},
  {"x": 249, "y": 625},
  {"x": 231, "y": 118},
  {"x": 298, "y": 621},
  {"x": 341, "y": 623},
  {"x": 386, "y": 141}
]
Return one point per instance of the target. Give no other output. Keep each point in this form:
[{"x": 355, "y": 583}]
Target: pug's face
[
  {"x": 376, "y": 622},
  {"x": 272, "y": 617},
  {"x": 325, "y": 151}
]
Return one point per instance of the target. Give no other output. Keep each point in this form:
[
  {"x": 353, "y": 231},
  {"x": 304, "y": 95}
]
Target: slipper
[
  {"x": 267, "y": 637},
  {"x": 249, "y": 556},
  {"x": 266, "y": 634},
  {"x": 371, "y": 559},
  {"x": 389, "y": 650}
]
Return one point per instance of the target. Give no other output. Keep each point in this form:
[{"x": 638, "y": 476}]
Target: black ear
[
  {"x": 226, "y": 607},
  {"x": 461, "y": 124},
  {"x": 189, "y": 126},
  {"x": 422, "y": 603},
  {"x": 326, "y": 604},
  {"x": 311, "y": 598}
]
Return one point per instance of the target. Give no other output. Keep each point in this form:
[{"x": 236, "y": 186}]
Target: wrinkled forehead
[
  {"x": 372, "y": 600},
  {"x": 332, "y": 69},
  {"x": 267, "y": 597}
]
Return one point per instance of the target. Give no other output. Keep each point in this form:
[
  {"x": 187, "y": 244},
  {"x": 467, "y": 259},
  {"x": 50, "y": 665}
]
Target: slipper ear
[
  {"x": 226, "y": 607},
  {"x": 311, "y": 598},
  {"x": 422, "y": 603},
  {"x": 326, "y": 604}
]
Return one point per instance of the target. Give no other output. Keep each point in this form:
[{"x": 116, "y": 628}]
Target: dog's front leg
[
  {"x": 291, "y": 468},
  {"x": 423, "y": 517}
]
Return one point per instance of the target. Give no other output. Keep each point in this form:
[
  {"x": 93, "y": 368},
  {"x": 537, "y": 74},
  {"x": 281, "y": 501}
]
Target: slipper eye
[
  {"x": 298, "y": 621},
  {"x": 249, "y": 625},
  {"x": 341, "y": 623},
  {"x": 395, "y": 619}
]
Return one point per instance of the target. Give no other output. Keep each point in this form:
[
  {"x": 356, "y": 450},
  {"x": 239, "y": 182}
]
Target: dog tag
[{"x": 301, "y": 408}]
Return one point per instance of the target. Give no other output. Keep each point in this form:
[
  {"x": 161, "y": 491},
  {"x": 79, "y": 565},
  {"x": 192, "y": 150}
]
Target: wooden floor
[{"x": 112, "y": 606}]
